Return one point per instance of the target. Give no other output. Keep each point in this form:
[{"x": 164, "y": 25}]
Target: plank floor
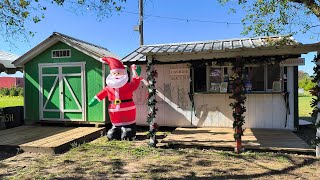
[
  {"x": 254, "y": 139},
  {"x": 47, "y": 139}
]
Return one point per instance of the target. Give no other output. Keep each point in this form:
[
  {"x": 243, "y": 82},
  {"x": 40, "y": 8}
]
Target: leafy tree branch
[
  {"x": 269, "y": 17},
  {"x": 16, "y": 14}
]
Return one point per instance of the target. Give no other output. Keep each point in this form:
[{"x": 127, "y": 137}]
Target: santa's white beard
[{"x": 118, "y": 82}]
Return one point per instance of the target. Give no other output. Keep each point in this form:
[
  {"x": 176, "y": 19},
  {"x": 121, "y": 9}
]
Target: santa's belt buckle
[{"x": 117, "y": 101}]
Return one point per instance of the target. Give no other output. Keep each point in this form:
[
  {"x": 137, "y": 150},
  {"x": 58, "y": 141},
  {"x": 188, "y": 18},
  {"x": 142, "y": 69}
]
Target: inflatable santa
[{"x": 122, "y": 109}]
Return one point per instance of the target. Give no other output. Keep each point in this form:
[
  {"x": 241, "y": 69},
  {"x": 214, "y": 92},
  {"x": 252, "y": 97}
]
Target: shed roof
[
  {"x": 89, "y": 49},
  {"x": 216, "y": 48},
  {"x": 7, "y": 58}
]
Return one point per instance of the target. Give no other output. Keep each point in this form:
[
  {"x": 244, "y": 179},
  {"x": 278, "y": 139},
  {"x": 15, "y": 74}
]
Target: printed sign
[
  {"x": 179, "y": 74},
  {"x": 215, "y": 87},
  {"x": 180, "y": 77},
  {"x": 292, "y": 62}
]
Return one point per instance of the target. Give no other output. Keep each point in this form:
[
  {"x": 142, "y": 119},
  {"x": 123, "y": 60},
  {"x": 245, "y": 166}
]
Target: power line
[{"x": 187, "y": 20}]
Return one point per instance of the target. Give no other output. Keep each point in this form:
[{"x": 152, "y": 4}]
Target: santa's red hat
[{"x": 113, "y": 63}]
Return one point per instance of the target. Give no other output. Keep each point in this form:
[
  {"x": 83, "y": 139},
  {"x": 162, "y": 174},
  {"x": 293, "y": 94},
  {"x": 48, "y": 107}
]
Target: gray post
[
  {"x": 141, "y": 21},
  {"x": 317, "y": 121}
]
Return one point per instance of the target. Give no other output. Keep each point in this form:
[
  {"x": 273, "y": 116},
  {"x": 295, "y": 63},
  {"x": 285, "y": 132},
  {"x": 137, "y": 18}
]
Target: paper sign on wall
[{"x": 180, "y": 73}]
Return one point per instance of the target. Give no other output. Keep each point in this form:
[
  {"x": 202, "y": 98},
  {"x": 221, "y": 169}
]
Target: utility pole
[{"x": 141, "y": 21}]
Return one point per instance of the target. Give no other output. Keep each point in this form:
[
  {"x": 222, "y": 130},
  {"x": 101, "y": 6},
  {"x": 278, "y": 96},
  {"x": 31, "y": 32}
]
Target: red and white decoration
[{"x": 122, "y": 109}]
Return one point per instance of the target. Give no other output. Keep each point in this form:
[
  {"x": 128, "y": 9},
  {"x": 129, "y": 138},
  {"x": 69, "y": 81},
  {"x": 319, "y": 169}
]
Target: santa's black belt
[{"x": 119, "y": 101}]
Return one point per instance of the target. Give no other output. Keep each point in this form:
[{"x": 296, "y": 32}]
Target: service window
[
  {"x": 200, "y": 79},
  {"x": 215, "y": 79},
  {"x": 256, "y": 77},
  {"x": 273, "y": 77}
]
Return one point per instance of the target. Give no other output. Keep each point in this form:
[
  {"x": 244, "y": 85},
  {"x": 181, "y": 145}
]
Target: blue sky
[{"x": 116, "y": 32}]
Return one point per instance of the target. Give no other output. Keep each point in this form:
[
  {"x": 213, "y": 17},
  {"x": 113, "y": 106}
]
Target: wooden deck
[
  {"x": 253, "y": 139},
  {"x": 46, "y": 139}
]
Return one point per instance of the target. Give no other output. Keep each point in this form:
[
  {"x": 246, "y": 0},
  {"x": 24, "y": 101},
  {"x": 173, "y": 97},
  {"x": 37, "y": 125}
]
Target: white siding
[{"x": 263, "y": 110}]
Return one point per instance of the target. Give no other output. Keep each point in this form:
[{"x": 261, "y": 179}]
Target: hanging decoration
[
  {"x": 152, "y": 74},
  {"x": 238, "y": 94},
  {"x": 315, "y": 91}
]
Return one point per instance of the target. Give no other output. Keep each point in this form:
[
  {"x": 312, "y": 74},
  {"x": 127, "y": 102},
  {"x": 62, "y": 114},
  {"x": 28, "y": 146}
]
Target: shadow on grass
[{"x": 269, "y": 172}]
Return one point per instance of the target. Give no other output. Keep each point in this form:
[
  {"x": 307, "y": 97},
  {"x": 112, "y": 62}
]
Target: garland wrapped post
[
  {"x": 238, "y": 94},
  {"x": 315, "y": 103},
  {"x": 151, "y": 78}
]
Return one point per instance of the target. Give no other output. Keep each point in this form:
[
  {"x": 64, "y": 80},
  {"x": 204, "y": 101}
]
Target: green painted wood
[
  {"x": 53, "y": 115},
  {"x": 70, "y": 70},
  {"x": 107, "y": 72},
  {"x": 53, "y": 100},
  {"x": 69, "y": 101},
  {"x": 72, "y": 115},
  {"x": 94, "y": 81},
  {"x": 50, "y": 70}
]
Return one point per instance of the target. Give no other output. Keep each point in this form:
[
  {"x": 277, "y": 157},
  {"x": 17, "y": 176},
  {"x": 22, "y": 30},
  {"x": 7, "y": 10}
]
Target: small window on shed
[{"x": 61, "y": 53}]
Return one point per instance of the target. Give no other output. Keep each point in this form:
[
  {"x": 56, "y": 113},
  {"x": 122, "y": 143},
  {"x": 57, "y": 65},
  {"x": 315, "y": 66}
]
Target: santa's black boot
[
  {"x": 114, "y": 133},
  {"x": 128, "y": 132}
]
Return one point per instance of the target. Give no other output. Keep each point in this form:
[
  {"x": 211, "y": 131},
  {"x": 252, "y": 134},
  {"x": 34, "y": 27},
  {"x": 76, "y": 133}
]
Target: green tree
[
  {"x": 268, "y": 17},
  {"x": 306, "y": 83},
  {"x": 302, "y": 74},
  {"x": 15, "y": 14}
]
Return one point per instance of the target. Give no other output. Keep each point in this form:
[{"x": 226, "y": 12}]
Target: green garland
[
  {"x": 238, "y": 94},
  {"x": 315, "y": 91},
  {"x": 151, "y": 75}
]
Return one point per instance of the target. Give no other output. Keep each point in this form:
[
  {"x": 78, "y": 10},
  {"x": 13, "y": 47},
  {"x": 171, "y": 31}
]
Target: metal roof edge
[
  {"x": 32, "y": 52},
  {"x": 52, "y": 39},
  {"x": 69, "y": 37},
  {"x": 236, "y": 50},
  {"x": 219, "y": 40}
]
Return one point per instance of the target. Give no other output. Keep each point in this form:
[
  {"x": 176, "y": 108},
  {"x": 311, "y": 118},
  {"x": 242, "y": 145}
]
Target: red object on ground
[{"x": 8, "y": 82}]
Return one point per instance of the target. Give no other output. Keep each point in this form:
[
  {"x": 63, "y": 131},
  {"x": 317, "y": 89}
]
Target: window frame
[{"x": 265, "y": 66}]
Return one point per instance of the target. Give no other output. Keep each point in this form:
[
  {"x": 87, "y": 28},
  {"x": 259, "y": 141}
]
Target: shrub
[
  {"x": 13, "y": 92},
  {"x": 20, "y": 91},
  {"x": 4, "y": 91}
]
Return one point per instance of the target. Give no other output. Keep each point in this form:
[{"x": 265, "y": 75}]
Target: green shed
[{"x": 61, "y": 75}]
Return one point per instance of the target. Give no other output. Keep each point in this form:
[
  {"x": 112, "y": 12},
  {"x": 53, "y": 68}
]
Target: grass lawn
[
  {"x": 6, "y": 101},
  {"x": 102, "y": 159},
  {"x": 304, "y": 106}
]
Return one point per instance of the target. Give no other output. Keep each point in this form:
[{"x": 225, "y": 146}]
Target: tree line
[
  {"x": 305, "y": 81},
  {"x": 14, "y": 91}
]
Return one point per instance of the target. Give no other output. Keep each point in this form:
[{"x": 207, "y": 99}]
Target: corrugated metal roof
[
  {"x": 205, "y": 46},
  {"x": 7, "y": 58},
  {"x": 90, "y": 49}
]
